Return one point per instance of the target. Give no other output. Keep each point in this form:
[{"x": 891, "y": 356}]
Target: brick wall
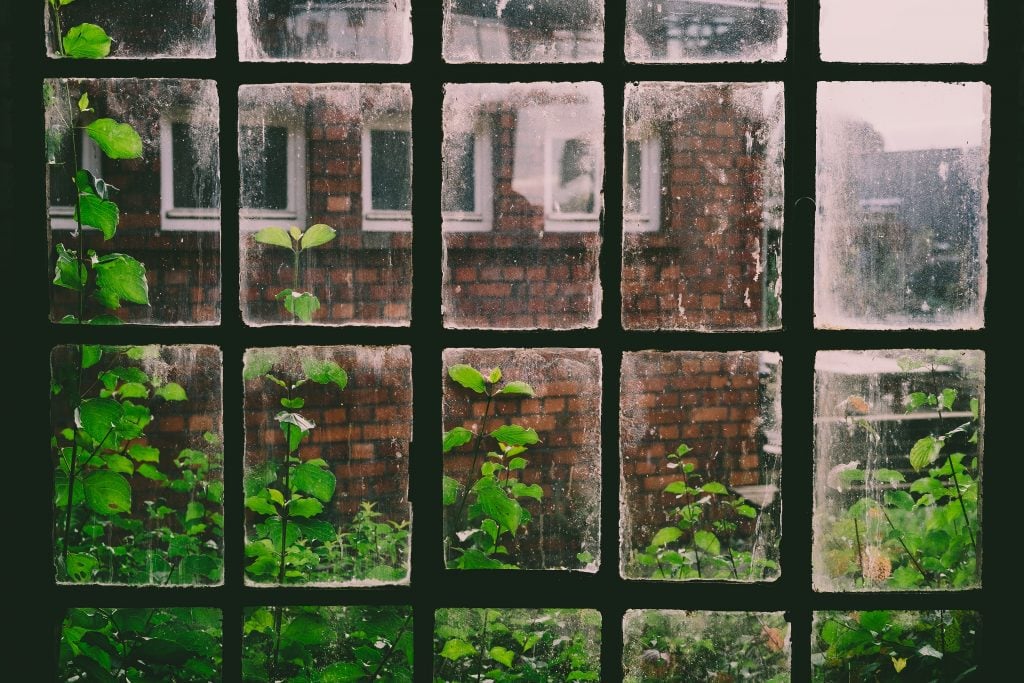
[{"x": 566, "y": 413}]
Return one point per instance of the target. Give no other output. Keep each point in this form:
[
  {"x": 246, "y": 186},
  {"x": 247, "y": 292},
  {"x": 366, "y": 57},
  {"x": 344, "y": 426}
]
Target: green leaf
[
  {"x": 900, "y": 499},
  {"x": 91, "y": 355},
  {"x": 746, "y": 511},
  {"x": 707, "y": 541},
  {"x": 916, "y": 400},
  {"x": 875, "y": 620},
  {"x": 456, "y": 648},
  {"x": 300, "y": 304},
  {"x": 120, "y": 278},
  {"x": 517, "y": 464},
  {"x": 683, "y": 449},
  {"x": 151, "y": 472},
  {"x": 342, "y": 672},
  {"x": 514, "y": 435},
  {"x": 68, "y": 272},
  {"x": 517, "y": 389},
  {"x": 497, "y": 505},
  {"x": 305, "y": 507},
  {"x": 325, "y": 372},
  {"x": 927, "y": 485},
  {"x": 449, "y": 490},
  {"x": 141, "y": 453},
  {"x": 974, "y": 408},
  {"x": 677, "y": 487},
  {"x": 314, "y": 480},
  {"x": 273, "y": 236},
  {"x": 98, "y": 416},
  {"x": 309, "y": 629},
  {"x": 133, "y": 390},
  {"x": 493, "y": 376},
  {"x": 316, "y": 235},
  {"x": 316, "y": 529},
  {"x": 80, "y": 567},
  {"x": 468, "y": 377},
  {"x": 98, "y": 213},
  {"x": 948, "y": 397},
  {"x": 172, "y": 391},
  {"x": 117, "y": 140},
  {"x": 666, "y": 536},
  {"x": 714, "y": 487},
  {"x": 86, "y": 41},
  {"x": 455, "y": 438},
  {"x": 119, "y": 463},
  {"x": 577, "y": 675},
  {"x": 293, "y": 403},
  {"x": 260, "y": 505},
  {"x": 107, "y": 493},
  {"x": 161, "y": 651},
  {"x": 83, "y": 102},
  {"x": 888, "y": 476},
  {"x": 523, "y": 491},
  {"x": 500, "y": 654},
  {"x": 584, "y": 557},
  {"x": 924, "y": 452}
]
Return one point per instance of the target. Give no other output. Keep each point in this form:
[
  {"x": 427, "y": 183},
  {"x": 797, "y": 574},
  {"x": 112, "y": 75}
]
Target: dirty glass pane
[
  {"x": 701, "y": 450},
  {"x": 325, "y": 31},
  {"x": 502, "y": 31},
  {"x": 914, "y": 31},
  {"x": 915, "y": 646},
  {"x": 181, "y": 644},
  {"x": 526, "y": 494},
  {"x": 901, "y": 197},
  {"x": 673, "y": 645},
  {"x": 157, "y": 261},
  {"x": 898, "y": 460},
  {"x": 517, "y": 644},
  {"x": 705, "y": 30},
  {"x": 143, "y": 29},
  {"x": 327, "y": 643},
  {"x": 702, "y": 205},
  {"x": 528, "y": 257},
  {"x": 136, "y": 449},
  {"x": 327, "y": 433},
  {"x": 337, "y": 156}
]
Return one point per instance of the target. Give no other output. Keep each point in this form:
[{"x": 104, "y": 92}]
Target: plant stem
[
  {"x": 476, "y": 456},
  {"x": 284, "y": 510},
  {"x": 860, "y": 556},
  {"x": 963, "y": 509},
  {"x": 277, "y": 640},
  {"x": 899, "y": 537},
  {"x": 480, "y": 654},
  {"x": 391, "y": 650},
  {"x": 295, "y": 277}
]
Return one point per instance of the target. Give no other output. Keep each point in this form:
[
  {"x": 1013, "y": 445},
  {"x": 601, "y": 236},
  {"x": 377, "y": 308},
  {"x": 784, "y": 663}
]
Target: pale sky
[{"x": 904, "y": 30}]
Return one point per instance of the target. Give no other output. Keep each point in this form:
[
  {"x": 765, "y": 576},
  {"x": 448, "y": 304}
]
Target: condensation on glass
[
  {"x": 901, "y": 205},
  {"x": 539, "y": 644},
  {"x": 700, "y": 442},
  {"x": 327, "y": 643},
  {"x": 522, "y": 173},
  {"x": 502, "y": 31},
  {"x": 338, "y": 155},
  {"x": 325, "y": 31},
  {"x": 147, "y": 29},
  {"x": 137, "y": 449},
  {"x": 167, "y": 201},
  {"x": 677, "y": 645},
  {"x": 560, "y": 527},
  {"x": 705, "y": 30},
  {"x": 910, "y": 31},
  {"x": 702, "y": 206},
  {"x": 898, "y": 470},
  {"x": 352, "y": 407}
]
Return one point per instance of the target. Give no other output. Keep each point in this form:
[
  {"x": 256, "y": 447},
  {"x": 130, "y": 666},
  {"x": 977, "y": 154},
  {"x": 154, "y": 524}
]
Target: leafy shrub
[
  {"x": 120, "y": 644},
  {"x": 327, "y": 644},
  {"x": 516, "y": 645},
  {"x": 302, "y": 305}
]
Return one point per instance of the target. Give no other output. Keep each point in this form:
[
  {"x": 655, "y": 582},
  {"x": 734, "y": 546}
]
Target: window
[
  {"x": 387, "y": 176},
  {"x": 273, "y": 185},
  {"x": 62, "y": 189},
  {"x": 641, "y": 185},
  {"x": 467, "y": 194},
  {"x": 189, "y": 175}
]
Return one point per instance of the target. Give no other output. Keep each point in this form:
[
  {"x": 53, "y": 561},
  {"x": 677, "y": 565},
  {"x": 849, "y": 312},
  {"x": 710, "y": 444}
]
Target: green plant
[
  {"x": 85, "y": 41},
  {"x": 702, "y": 541},
  {"x": 104, "y": 461},
  {"x": 327, "y": 644},
  {"x": 496, "y": 514},
  {"x": 291, "y": 531},
  {"x": 372, "y": 549},
  {"x": 694, "y": 647},
  {"x": 516, "y": 645},
  {"x": 921, "y": 533},
  {"x": 883, "y": 646},
  {"x": 301, "y": 305},
  {"x": 123, "y": 645}
]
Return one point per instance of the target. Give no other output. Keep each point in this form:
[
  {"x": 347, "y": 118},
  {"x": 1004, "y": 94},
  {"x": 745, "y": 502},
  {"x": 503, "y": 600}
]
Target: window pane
[
  {"x": 459, "y": 169},
  {"x": 542, "y": 497},
  {"x": 326, "y": 643},
  {"x": 705, "y": 30},
  {"x": 901, "y": 197},
  {"x": 346, "y": 426},
  {"x": 523, "y": 31},
  {"x": 265, "y": 186},
  {"x": 634, "y": 178},
  {"x": 138, "y": 453},
  {"x": 672, "y": 645},
  {"x": 565, "y": 641},
  {"x": 530, "y": 260},
  {"x": 701, "y": 455},
  {"x": 156, "y": 265},
  {"x": 705, "y": 250},
  {"x": 391, "y": 159},
  {"x": 150, "y": 29},
  {"x": 898, "y": 470},
  {"x": 195, "y": 183},
  {"x": 325, "y": 30},
  {"x": 906, "y": 31},
  {"x": 59, "y": 170}
]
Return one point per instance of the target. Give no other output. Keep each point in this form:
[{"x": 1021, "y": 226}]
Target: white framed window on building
[
  {"x": 189, "y": 174},
  {"x": 62, "y": 187},
  {"x": 387, "y": 175},
  {"x": 641, "y": 184},
  {"x": 467, "y": 199},
  {"x": 273, "y": 174}
]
